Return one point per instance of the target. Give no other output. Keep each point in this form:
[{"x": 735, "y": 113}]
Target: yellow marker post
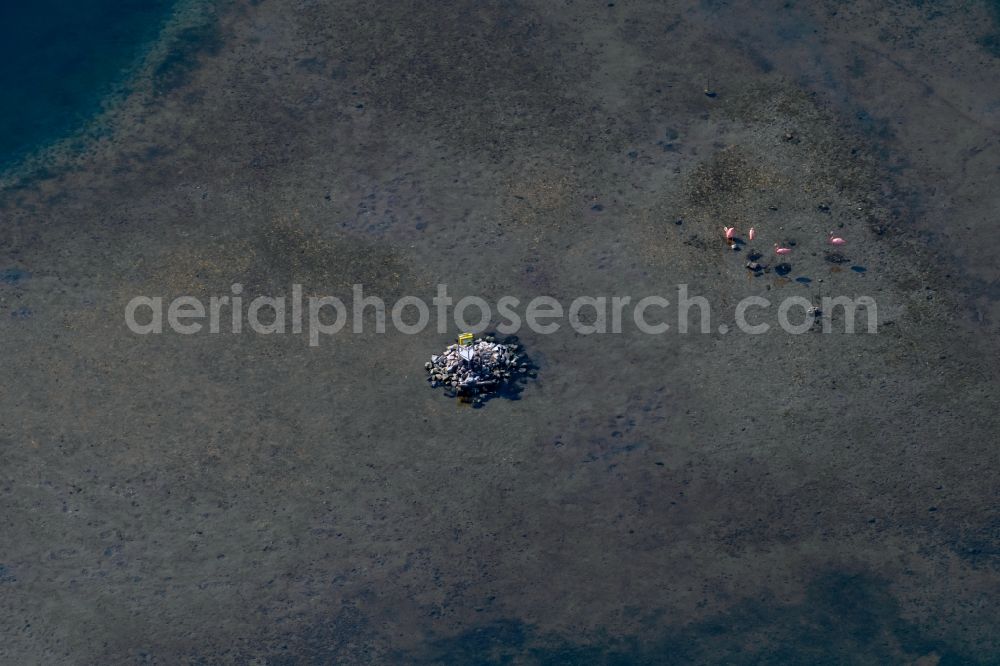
[{"x": 465, "y": 339}]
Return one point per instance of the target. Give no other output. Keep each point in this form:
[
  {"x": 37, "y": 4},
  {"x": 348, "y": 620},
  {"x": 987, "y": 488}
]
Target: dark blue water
[{"x": 59, "y": 58}]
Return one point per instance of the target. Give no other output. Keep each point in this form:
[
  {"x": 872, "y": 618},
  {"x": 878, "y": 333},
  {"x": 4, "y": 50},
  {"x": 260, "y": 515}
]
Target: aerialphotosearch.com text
[{"x": 322, "y": 316}]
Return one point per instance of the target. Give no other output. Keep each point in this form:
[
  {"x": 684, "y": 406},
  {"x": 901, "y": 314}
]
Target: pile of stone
[{"x": 478, "y": 369}]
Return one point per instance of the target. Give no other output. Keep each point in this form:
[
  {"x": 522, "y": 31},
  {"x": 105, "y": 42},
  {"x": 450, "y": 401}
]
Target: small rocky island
[{"x": 476, "y": 369}]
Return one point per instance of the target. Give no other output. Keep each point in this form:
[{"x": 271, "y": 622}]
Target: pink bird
[
  {"x": 836, "y": 240},
  {"x": 751, "y": 233},
  {"x": 782, "y": 250},
  {"x": 730, "y": 232}
]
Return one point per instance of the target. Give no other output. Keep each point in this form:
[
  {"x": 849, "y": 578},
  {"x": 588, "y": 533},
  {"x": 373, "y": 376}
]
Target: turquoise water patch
[
  {"x": 13, "y": 276},
  {"x": 59, "y": 58}
]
